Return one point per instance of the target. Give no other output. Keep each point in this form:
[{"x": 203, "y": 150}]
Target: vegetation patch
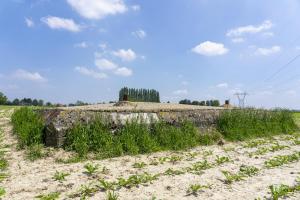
[
  {"x": 282, "y": 159},
  {"x": 242, "y": 124},
  {"x": 28, "y": 126},
  {"x": 133, "y": 138},
  {"x": 280, "y": 191}
]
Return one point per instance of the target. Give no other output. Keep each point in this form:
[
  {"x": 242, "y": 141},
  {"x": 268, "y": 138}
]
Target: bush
[
  {"x": 241, "y": 124},
  {"x": 28, "y": 126}
]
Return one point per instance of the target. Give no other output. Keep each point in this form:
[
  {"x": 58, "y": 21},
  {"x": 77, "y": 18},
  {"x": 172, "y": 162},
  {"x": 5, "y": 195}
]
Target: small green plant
[
  {"x": 2, "y": 191},
  {"x": 254, "y": 143},
  {"x": 3, "y": 164},
  {"x": 207, "y": 153},
  {"x": 139, "y": 165},
  {"x": 222, "y": 159},
  {"x": 87, "y": 191},
  {"x": 60, "y": 176},
  {"x": 198, "y": 167},
  {"x": 50, "y": 196},
  {"x": 105, "y": 185},
  {"x": 249, "y": 170},
  {"x": 195, "y": 189},
  {"x": 3, "y": 176},
  {"x": 279, "y": 191},
  {"x": 91, "y": 169},
  {"x": 171, "y": 172},
  {"x": 112, "y": 196},
  {"x": 135, "y": 180},
  {"x": 282, "y": 159},
  {"x": 174, "y": 159},
  {"x": 191, "y": 155},
  {"x": 231, "y": 177}
]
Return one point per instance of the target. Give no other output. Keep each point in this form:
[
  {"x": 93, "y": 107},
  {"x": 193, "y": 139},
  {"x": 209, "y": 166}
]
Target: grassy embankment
[{"x": 138, "y": 138}]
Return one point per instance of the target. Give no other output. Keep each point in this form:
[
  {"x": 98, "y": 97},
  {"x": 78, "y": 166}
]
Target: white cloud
[
  {"x": 222, "y": 85},
  {"x": 29, "y": 22},
  {"x": 136, "y": 7},
  {"x": 251, "y": 29},
  {"x": 139, "y": 34},
  {"x": 61, "y": 23},
  {"x": 104, "y": 64},
  {"x": 125, "y": 55},
  {"x": 180, "y": 92},
  {"x": 209, "y": 48},
  {"x": 184, "y": 83},
  {"x": 123, "y": 71},
  {"x": 237, "y": 40},
  {"x": 81, "y": 45},
  {"x": 98, "y": 9},
  {"x": 91, "y": 73},
  {"x": 103, "y": 46},
  {"x": 268, "y": 34},
  {"x": 30, "y": 76},
  {"x": 267, "y": 51}
]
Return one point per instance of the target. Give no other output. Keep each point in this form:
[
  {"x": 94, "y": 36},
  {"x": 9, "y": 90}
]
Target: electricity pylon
[{"x": 241, "y": 97}]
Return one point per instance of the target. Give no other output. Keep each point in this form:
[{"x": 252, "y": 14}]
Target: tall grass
[
  {"x": 241, "y": 124},
  {"x": 28, "y": 126},
  {"x": 133, "y": 138}
]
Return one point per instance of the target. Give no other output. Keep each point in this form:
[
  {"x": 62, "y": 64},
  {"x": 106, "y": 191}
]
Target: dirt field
[{"x": 170, "y": 174}]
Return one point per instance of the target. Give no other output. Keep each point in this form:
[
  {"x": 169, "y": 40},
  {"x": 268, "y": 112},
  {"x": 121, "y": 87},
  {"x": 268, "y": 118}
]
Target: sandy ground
[{"x": 28, "y": 179}]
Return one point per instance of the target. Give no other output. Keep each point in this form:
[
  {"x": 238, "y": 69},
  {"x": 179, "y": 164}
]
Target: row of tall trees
[
  {"x": 200, "y": 103},
  {"x": 22, "y": 102},
  {"x": 141, "y": 95}
]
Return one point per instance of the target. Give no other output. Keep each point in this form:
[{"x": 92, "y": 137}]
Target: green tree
[{"x": 3, "y": 99}]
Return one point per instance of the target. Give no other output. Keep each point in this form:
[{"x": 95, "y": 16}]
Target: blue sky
[{"x": 68, "y": 50}]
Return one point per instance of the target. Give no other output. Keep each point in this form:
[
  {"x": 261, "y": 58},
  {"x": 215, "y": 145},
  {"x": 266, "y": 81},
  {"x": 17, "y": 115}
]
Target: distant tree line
[
  {"x": 200, "y": 103},
  {"x": 141, "y": 95}
]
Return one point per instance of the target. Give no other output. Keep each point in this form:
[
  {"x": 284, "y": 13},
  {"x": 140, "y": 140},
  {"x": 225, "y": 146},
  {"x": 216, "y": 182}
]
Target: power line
[{"x": 282, "y": 68}]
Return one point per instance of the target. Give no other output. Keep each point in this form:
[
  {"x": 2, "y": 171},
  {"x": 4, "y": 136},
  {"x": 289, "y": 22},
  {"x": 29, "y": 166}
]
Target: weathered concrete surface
[{"x": 59, "y": 121}]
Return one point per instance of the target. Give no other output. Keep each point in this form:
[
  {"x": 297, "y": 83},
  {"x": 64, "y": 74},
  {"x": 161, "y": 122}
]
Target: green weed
[
  {"x": 91, "y": 169},
  {"x": 222, "y": 159},
  {"x": 105, "y": 185},
  {"x": 112, "y": 196},
  {"x": 195, "y": 189},
  {"x": 2, "y": 191},
  {"x": 249, "y": 170},
  {"x": 171, "y": 172},
  {"x": 60, "y": 176},
  {"x": 282, "y": 159},
  {"x": 231, "y": 177},
  {"x": 35, "y": 152},
  {"x": 50, "y": 196},
  {"x": 139, "y": 165}
]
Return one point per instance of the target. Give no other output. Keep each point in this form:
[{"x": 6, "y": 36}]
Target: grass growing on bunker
[
  {"x": 133, "y": 138},
  {"x": 242, "y": 124}
]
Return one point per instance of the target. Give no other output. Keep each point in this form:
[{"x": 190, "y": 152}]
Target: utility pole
[{"x": 241, "y": 97}]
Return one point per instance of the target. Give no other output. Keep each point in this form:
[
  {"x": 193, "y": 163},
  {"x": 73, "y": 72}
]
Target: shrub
[
  {"x": 241, "y": 124},
  {"x": 28, "y": 126}
]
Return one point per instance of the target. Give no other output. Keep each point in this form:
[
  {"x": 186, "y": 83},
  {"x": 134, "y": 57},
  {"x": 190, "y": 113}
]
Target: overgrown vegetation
[
  {"x": 133, "y": 138},
  {"x": 241, "y": 124},
  {"x": 28, "y": 126}
]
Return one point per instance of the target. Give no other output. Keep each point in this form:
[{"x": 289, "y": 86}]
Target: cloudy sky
[{"x": 69, "y": 50}]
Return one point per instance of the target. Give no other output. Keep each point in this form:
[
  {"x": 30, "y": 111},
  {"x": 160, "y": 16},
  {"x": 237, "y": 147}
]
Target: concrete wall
[{"x": 58, "y": 122}]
